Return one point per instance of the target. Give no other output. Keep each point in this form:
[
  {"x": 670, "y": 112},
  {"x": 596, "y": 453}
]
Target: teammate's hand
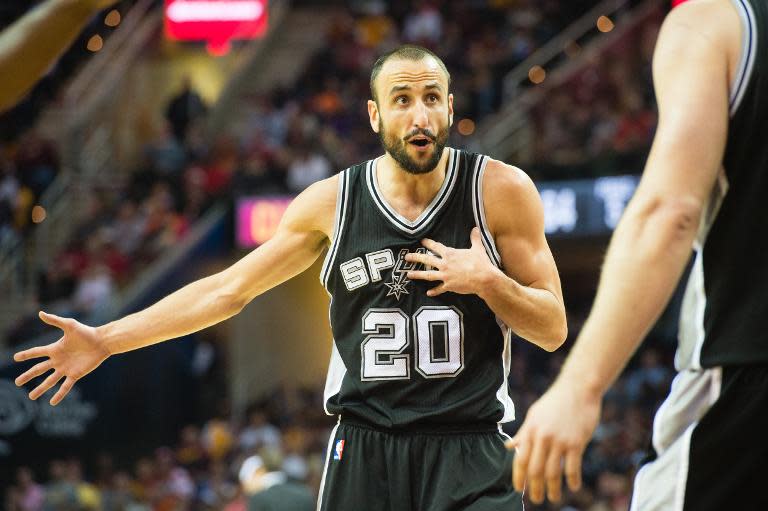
[
  {"x": 558, "y": 426},
  {"x": 77, "y": 353},
  {"x": 461, "y": 271}
]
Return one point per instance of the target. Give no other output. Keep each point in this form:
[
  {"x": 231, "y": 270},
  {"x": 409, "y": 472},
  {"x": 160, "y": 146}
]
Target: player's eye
[
  {"x": 432, "y": 98},
  {"x": 401, "y": 100}
]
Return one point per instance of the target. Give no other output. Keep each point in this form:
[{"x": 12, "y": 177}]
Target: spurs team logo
[
  {"x": 399, "y": 280},
  {"x": 358, "y": 272}
]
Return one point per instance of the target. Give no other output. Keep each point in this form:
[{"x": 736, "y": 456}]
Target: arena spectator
[
  {"x": 183, "y": 109},
  {"x": 269, "y": 489}
]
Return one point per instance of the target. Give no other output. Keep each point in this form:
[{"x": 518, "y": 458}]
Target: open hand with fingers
[
  {"x": 463, "y": 271},
  {"x": 551, "y": 440},
  {"x": 78, "y": 352}
]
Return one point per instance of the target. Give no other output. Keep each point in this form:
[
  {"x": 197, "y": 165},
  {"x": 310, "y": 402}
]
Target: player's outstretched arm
[
  {"x": 526, "y": 293},
  {"x": 649, "y": 249},
  {"x": 30, "y": 45},
  {"x": 300, "y": 238}
]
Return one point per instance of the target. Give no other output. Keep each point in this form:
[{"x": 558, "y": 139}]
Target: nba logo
[{"x": 339, "y": 450}]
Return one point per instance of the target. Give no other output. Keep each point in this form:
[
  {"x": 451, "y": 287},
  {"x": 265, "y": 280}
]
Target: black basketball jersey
[
  {"x": 400, "y": 357},
  {"x": 724, "y": 319}
]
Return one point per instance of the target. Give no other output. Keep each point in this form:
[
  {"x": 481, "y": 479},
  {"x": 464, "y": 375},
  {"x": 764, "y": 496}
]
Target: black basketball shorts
[{"x": 370, "y": 469}]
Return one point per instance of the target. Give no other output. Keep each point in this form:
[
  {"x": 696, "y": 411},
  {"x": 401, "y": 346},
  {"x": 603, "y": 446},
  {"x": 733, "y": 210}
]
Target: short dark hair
[{"x": 404, "y": 52}]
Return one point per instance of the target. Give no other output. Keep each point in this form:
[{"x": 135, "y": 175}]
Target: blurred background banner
[
  {"x": 216, "y": 22},
  {"x": 258, "y": 218},
  {"x": 587, "y": 207},
  {"x": 577, "y": 208}
]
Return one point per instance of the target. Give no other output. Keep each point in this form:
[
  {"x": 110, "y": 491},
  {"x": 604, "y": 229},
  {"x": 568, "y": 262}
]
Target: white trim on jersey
[
  {"x": 434, "y": 207},
  {"x": 479, "y": 210},
  {"x": 697, "y": 281},
  {"x": 342, "y": 200},
  {"x": 506, "y": 363},
  {"x": 327, "y": 462},
  {"x": 337, "y": 370},
  {"x": 658, "y": 420},
  {"x": 503, "y": 433},
  {"x": 682, "y": 471},
  {"x": 748, "y": 52},
  {"x": 691, "y": 334}
]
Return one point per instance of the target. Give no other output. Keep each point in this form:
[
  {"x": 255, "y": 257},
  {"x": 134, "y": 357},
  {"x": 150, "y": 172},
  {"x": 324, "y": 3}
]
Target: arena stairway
[{"x": 284, "y": 57}]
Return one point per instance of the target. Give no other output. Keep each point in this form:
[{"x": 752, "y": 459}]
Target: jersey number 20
[{"x": 439, "y": 349}]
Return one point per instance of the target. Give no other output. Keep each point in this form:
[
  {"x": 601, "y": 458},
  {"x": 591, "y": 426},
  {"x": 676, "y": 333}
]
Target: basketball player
[
  {"x": 435, "y": 256},
  {"x": 32, "y": 44},
  {"x": 704, "y": 187}
]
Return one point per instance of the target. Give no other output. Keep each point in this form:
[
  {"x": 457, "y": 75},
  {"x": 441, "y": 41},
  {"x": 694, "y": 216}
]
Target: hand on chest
[{"x": 384, "y": 267}]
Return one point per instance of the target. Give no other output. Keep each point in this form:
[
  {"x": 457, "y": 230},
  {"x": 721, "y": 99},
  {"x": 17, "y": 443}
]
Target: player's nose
[{"x": 420, "y": 115}]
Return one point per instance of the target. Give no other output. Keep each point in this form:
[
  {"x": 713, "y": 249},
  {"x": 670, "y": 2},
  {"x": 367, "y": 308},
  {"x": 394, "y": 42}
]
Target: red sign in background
[
  {"x": 216, "y": 21},
  {"x": 257, "y": 219}
]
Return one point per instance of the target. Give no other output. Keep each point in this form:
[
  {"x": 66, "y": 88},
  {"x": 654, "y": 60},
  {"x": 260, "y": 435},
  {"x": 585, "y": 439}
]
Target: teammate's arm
[
  {"x": 526, "y": 294},
  {"x": 34, "y": 42},
  {"x": 300, "y": 238},
  {"x": 650, "y": 247}
]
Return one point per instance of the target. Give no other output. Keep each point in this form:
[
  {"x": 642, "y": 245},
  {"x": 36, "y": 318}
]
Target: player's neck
[{"x": 407, "y": 192}]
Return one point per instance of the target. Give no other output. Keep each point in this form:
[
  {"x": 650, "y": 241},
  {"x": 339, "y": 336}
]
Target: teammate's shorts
[
  {"x": 370, "y": 469},
  {"x": 710, "y": 444}
]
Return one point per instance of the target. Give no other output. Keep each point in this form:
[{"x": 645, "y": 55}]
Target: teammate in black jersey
[
  {"x": 30, "y": 46},
  {"x": 435, "y": 256},
  {"x": 704, "y": 187}
]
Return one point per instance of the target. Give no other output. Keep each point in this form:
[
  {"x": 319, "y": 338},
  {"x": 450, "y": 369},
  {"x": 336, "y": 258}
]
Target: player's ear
[
  {"x": 373, "y": 115},
  {"x": 450, "y": 109}
]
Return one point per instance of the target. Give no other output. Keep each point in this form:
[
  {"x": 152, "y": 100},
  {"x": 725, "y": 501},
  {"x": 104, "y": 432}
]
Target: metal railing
[
  {"x": 250, "y": 57},
  {"x": 507, "y": 133},
  {"x": 555, "y": 46}
]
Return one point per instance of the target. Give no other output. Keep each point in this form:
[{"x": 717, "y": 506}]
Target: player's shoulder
[
  {"x": 699, "y": 33},
  {"x": 700, "y": 10},
  {"x": 324, "y": 189},
  {"x": 506, "y": 181},
  {"x": 315, "y": 207},
  {"x": 320, "y": 196},
  {"x": 508, "y": 189},
  {"x": 712, "y": 19}
]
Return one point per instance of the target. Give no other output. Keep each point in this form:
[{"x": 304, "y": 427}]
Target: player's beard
[{"x": 398, "y": 149}]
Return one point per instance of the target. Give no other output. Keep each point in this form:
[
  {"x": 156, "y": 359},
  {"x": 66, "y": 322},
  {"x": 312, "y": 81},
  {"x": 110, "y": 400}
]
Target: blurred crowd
[
  {"x": 598, "y": 122},
  {"x": 203, "y": 470},
  {"x": 127, "y": 224},
  {"x": 601, "y": 119},
  {"x": 27, "y": 167},
  {"x": 294, "y": 136}
]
